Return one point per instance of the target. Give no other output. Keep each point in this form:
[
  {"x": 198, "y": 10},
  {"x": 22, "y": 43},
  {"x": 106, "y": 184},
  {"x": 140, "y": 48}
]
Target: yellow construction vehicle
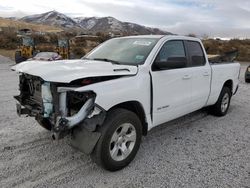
[
  {"x": 63, "y": 48},
  {"x": 26, "y": 49}
]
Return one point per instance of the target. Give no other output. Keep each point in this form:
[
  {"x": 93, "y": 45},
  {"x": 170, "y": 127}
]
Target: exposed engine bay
[{"x": 57, "y": 107}]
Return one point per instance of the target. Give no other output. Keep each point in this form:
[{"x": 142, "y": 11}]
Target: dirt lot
[
  {"x": 198, "y": 150},
  {"x": 7, "y": 53}
]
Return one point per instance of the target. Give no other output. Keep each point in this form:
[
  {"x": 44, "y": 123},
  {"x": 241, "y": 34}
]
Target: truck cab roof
[{"x": 174, "y": 37}]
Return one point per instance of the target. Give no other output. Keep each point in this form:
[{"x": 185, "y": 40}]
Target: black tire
[
  {"x": 217, "y": 108},
  {"x": 116, "y": 118},
  {"x": 247, "y": 80},
  {"x": 45, "y": 123}
]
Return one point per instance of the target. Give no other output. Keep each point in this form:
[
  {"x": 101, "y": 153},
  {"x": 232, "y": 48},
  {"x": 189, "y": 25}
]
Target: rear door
[
  {"x": 201, "y": 74},
  {"x": 172, "y": 86}
]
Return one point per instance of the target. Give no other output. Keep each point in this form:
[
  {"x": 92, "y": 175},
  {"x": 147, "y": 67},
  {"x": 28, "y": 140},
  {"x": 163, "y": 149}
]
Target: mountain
[
  {"x": 110, "y": 24},
  {"x": 91, "y": 24},
  {"x": 12, "y": 18},
  {"x": 51, "y": 18}
]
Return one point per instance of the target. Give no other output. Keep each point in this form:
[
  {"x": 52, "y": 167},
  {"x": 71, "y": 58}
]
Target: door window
[
  {"x": 172, "y": 53},
  {"x": 196, "y": 54}
]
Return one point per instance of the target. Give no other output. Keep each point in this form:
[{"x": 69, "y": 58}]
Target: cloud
[
  {"x": 215, "y": 18},
  {"x": 6, "y": 8}
]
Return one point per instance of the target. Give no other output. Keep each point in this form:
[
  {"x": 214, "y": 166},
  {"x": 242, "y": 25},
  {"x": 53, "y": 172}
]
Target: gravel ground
[{"x": 198, "y": 150}]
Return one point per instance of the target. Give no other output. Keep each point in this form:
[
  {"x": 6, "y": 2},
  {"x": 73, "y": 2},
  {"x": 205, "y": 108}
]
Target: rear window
[{"x": 196, "y": 54}]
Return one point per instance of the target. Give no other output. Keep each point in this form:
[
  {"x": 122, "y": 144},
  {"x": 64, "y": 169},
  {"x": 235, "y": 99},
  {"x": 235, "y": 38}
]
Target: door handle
[
  {"x": 206, "y": 74},
  {"x": 186, "y": 77}
]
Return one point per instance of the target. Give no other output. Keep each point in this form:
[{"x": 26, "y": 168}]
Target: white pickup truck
[{"x": 107, "y": 100}]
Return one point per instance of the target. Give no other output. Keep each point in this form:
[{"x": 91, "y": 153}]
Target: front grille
[
  {"x": 36, "y": 95},
  {"x": 30, "y": 92}
]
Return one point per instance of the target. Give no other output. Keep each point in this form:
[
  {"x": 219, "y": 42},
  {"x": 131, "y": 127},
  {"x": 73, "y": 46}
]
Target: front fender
[{"x": 113, "y": 92}]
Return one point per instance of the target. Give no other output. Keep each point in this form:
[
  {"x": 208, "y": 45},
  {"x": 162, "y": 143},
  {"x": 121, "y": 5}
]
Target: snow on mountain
[
  {"x": 91, "y": 24},
  {"x": 87, "y": 23},
  {"x": 51, "y": 18},
  {"x": 110, "y": 24}
]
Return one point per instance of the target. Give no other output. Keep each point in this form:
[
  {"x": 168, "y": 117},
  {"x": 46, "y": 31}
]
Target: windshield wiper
[{"x": 107, "y": 60}]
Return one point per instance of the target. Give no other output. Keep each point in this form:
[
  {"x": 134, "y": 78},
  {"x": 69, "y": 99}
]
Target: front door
[{"x": 171, "y": 86}]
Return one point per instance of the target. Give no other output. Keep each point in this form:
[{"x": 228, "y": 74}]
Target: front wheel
[
  {"x": 221, "y": 106},
  {"x": 120, "y": 140},
  {"x": 45, "y": 123}
]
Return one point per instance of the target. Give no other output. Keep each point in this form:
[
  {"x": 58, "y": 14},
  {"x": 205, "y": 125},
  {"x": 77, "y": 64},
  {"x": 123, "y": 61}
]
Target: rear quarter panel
[{"x": 220, "y": 74}]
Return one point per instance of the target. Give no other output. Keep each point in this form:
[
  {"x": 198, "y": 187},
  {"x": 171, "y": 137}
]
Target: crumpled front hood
[{"x": 66, "y": 71}]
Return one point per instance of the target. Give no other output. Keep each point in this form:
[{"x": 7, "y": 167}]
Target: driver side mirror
[{"x": 171, "y": 63}]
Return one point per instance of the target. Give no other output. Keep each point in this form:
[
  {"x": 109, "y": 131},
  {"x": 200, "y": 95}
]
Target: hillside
[{"x": 17, "y": 24}]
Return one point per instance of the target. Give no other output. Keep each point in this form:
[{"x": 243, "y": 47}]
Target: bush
[
  {"x": 220, "y": 47},
  {"x": 78, "y": 51},
  {"x": 8, "y": 40},
  {"x": 102, "y": 37}
]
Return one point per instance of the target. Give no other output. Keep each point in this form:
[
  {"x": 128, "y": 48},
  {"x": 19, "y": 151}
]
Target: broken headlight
[{"x": 75, "y": 100}]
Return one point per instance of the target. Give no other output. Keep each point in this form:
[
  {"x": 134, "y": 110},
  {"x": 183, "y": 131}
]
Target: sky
[{"x": 214, "y": 18}]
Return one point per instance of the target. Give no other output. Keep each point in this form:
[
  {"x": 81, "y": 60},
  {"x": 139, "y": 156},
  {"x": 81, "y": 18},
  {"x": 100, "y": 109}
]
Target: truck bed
[{"x": 227, "y": 57}]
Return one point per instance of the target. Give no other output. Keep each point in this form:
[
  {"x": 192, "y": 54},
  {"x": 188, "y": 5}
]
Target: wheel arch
[
  {"x": 137, "y": 108},
  {"x": 229, "y": 84}
]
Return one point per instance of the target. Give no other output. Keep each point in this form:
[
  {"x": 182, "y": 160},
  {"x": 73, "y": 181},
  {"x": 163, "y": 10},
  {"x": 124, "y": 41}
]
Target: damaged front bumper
[
  {"x": 82, "y": 125},
  {"x": 65, "y": 122},
  {"x": 67, "y": 114}
]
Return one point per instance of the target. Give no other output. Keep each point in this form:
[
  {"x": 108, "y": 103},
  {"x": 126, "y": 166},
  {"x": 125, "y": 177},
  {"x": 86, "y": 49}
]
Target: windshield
[
  {"x": 27, "y": 41},
  {"x": 131, "y": 51}
]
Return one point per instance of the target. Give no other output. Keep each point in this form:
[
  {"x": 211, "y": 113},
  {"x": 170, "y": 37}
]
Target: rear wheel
[
  {"x": 247, "y": 80},
  {"x": 221, "y": 106},
  {"x": 120, "y": 140}
]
